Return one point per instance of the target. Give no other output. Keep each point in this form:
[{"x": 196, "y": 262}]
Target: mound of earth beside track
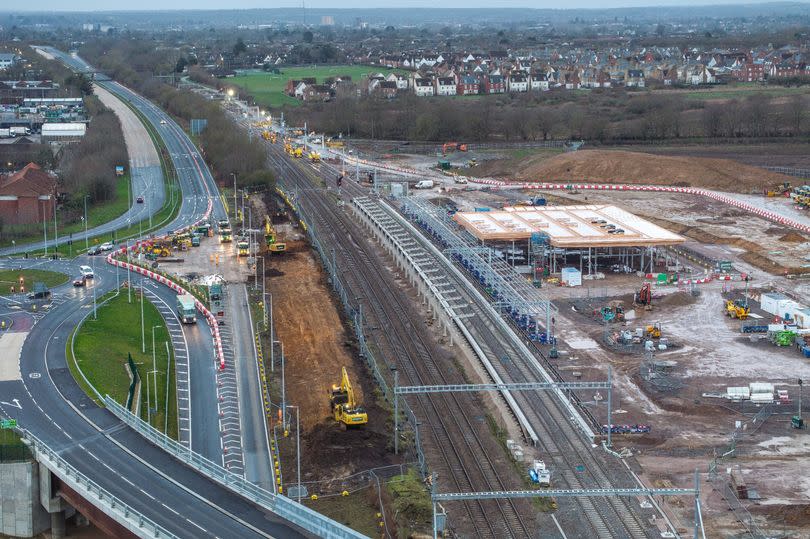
[
  {"x": 618, "y": 166},
  {"x": 316, "y": 346}
]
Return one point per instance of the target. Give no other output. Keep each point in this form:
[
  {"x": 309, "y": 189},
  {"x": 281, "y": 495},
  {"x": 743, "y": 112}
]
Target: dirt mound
[
  {"x": 792, "y": 515},
  {"x": 793, "y": 237},
  {"x": 676, "y": 299},
  {"x": 618, "y": 166}
]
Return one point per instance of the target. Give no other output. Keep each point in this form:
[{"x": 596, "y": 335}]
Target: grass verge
[
  {"x": 100, "y": 350},
  {"x": 9, "y": 278},
  {"x": 12, "y": 449},
  {"x": 357, "y": 511}
]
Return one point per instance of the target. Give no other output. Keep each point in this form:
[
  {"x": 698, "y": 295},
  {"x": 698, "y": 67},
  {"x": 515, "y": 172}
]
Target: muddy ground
[{"x": 316, "y": 347}]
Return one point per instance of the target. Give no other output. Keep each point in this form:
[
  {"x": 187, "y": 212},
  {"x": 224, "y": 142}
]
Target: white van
[{"x": 424, "y": 184}]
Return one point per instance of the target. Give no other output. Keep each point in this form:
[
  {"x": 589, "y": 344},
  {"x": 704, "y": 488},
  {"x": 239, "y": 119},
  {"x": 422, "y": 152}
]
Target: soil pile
[
  {"x": 793, "y": 237},
  {"x": 608, "y": 166}
]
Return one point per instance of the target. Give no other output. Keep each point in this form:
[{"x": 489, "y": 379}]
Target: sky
[{"x": 146, "y": 5}]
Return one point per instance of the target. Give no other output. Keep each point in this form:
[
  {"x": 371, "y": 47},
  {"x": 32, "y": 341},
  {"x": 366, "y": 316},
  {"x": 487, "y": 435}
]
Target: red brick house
[
  {"x": 494, "y": 84},
  {"x": 27, "y": 195}
]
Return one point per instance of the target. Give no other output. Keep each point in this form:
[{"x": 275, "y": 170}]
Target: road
[{"x": 45, "y": 399}]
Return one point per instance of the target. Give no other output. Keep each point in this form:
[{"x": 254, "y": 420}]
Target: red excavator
[{"x": 644, "y": 296}]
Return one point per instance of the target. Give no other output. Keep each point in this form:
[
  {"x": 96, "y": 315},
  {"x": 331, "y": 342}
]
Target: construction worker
[{"x": 12, "y": 289}]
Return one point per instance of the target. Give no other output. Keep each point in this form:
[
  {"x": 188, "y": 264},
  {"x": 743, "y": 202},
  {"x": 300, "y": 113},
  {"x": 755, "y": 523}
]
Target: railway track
[{"x": 467, "y": 462}]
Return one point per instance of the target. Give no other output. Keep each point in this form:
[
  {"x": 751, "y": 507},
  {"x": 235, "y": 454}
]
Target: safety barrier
[
  {"x": 288, "y": 509},
  {"x": 91, "y": 491},
  {"x": 772, "y": 216},
  {"x": 209, "y": 316}
]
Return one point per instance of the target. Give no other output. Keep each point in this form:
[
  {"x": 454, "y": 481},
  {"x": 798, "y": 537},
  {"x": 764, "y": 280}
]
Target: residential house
[
  {"x": 423, "y": 87},
  {"x": 468, "y": 85},
  {"x": 700, "y": 74},
  {"x": 494, "y": 84},
  {"x": 538, "y": 82},
  {"x": 400, "y": 80},
  {"x": 387, "y": 89},
  {"x": 290, "y": 87},
  {"x": 634, "y": 78},
  {"x": 316, "y": 92},
  {"x": 518, "y": 82},
  {"x": 298, "y": 93},
  {"x": 7, "y": 60},
  {"x": 751, "y": 72},
  {"x": 27, "y": 196},
  {"x": 445, "y": 86}
]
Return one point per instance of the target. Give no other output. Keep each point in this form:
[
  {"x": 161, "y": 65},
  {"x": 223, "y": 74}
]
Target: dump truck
[
  {"x": 344, "y": 408},
  {"x": 186, "y": 311}
]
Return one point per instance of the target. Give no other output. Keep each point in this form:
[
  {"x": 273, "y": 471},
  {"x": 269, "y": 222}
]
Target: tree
[
  {"x": 181, "y": 65},
  {"x": 240, "y": 47},
  {"x": 308, "y": 36}
]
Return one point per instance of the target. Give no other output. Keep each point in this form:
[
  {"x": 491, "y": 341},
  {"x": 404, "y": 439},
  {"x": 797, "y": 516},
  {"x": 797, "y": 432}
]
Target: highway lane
[
  {"x": 49, "y": 403},
  {"x": 53, "y": 421}
]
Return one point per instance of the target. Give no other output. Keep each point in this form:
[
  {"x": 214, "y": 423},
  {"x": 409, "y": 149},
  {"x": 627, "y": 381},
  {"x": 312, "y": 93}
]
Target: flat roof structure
[{"x": 567, "y": 226}]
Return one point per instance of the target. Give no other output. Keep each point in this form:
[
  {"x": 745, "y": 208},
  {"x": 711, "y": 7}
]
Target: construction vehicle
[
  {"x": 314, "y": 156},
  {"x": 653, "y": 331},
  {"x": 298, "y": 152},
  {"x": 453, "y": 146},
  {"x": 782, "y": 189},
  {"x": 334, "y": 143},
  {"x": 242, "y": 247},
  {"x": 344, "y": 408},
  {"x": 611, "y": 313},
  {"x": 161, "y": 247},
  {"x": 737, "y": 309},
  {"x": 266, "y": 135},
  {"x": 270, "y": 237},
  {"x": 644, "y": 296}
]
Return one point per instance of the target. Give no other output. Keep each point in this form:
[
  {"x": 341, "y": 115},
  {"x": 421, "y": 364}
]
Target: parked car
[
  {"x": 87, "y": 271},
  {"x": 139, "y": 200},
  {"x": 81, "y": 280}
]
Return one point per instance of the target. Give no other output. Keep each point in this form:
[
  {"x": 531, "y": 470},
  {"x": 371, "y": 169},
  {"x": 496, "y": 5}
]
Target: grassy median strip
[
  {"x": 101, "y": 347},
  {"x": 10, "y": 277}
]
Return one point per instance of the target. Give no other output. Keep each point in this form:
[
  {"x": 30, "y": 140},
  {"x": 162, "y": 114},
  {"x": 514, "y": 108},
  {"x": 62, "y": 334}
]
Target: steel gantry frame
[
  {"x": 523, "y": 302},
  {"x": 505, "y": 388},
  {"x": 699, "y": 533}
]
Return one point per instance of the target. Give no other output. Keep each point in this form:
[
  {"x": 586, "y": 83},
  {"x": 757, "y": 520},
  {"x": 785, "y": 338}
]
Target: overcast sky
[{"x": 145, "y": 5}]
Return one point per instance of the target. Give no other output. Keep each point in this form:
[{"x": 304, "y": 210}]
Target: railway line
[
  {"x": 467, "y": 461},
  {"x": 572, "y": 459}
]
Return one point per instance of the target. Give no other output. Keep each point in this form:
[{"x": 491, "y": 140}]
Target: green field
[
  {"x": 737, "y": 91},
  {"x": 268, "y": 88},
  {"x": 100, "y": 350},
  {"x": 9, "y": 278}
]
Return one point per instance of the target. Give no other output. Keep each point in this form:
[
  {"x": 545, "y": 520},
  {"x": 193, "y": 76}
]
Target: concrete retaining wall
[{"x": 22, "y": 515}]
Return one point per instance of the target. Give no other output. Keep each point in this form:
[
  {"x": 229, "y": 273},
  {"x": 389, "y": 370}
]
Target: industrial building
[{"x": 590, "y": 237}]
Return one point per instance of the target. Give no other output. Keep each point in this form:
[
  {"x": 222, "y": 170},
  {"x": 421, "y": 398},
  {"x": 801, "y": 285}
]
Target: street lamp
[
  {"x": 154, "y": 366},
  {"x": 86, "y": 239},
  {"x": 283, "y": 389},
  {"x": 234, "y": 197},
  {"x": 298, "y": 448}
]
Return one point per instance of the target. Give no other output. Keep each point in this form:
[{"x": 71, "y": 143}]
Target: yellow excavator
[
  {"x": 270, "y": 237},
  {"x": 341, "y": 399}
]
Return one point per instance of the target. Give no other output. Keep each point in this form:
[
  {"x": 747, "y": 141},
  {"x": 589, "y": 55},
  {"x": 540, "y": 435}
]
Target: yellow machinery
[
  {"x": 654, "y": 331},
  {"x": 161, "y": 247},
  {"x": 243, "y": 247},
  {"x": 737, "y": 309},
  {"x": 298, "y": 152},
  {"x": 314, "y": 156},
  {"x": 344, "y": 407},
  {"x": 270, "y": 237},
  {"x": 334, "y": 143},
  {"x": 266, "y": 135}
]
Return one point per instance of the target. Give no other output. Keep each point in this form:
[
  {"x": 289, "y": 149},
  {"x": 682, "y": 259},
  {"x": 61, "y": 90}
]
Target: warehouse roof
[{"x": 568, "y": 226}]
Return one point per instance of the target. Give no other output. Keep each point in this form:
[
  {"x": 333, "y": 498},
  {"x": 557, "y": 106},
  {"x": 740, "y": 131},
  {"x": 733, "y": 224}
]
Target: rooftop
[{"x": 567, "y": 226}]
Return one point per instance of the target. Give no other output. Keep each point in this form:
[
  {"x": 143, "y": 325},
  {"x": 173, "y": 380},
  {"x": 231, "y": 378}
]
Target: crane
[{"x": 341, "y": 400}]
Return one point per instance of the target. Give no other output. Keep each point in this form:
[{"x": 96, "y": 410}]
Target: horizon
[{"x": 156, "y": 6}]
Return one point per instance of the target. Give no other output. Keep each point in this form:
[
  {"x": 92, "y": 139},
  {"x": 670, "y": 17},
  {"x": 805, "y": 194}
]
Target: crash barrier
[{"x": 209, "y": 316}]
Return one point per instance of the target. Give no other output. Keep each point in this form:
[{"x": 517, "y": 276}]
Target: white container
[
  {"x": 761, "y": 398},
  {"x": 738, "y": 393},
  {"x": 802, "y": 317},
  {"x": 761, "y": 387},
  {"x": 777, "y": 304},
  {"x": 571, "y": 277}
]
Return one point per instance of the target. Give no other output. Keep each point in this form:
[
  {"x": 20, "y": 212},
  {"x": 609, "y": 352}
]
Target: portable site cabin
[
  {"x": 777, "y": 304},
  {"x": 571, "y": 277}
]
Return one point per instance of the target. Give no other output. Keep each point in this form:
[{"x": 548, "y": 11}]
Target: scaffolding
[{"x": 512, "y": 292}]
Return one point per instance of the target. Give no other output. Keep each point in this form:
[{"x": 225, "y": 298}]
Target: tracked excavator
[{"x": 345, "y": 409}]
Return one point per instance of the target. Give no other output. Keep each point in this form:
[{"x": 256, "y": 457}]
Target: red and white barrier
[
  {"x": 209, "y": 316},
  {"x": 781, "y": 219}
]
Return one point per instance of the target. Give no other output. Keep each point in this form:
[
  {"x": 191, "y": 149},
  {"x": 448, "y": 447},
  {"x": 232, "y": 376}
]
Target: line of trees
[
  {"x": 225, "y": 146},
  {"x": 599, "y": 115}
]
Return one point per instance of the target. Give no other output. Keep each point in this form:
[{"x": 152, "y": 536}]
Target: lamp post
[
  {"x": 298, "y": 449},
  {"x": 154, "y": 366},
  {"x": 283, "y": 389},
  {"x": 86, "y": 239},
  {"x": 234, "y": 197}
]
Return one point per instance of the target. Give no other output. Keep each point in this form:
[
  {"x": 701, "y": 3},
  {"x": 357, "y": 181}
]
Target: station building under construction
[{"x": 594, "y": 237}]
